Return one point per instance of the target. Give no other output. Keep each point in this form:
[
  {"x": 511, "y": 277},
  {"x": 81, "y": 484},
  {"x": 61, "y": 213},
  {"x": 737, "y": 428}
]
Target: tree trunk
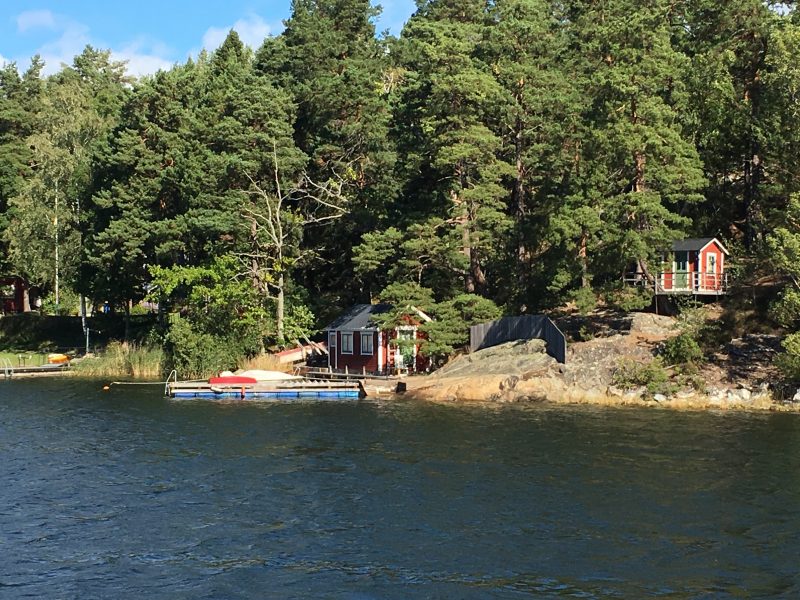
[
  {"x": 279, "y": 318},
  {"x": 520, "y": 207},
  {"x": 751, "y": 171},
  {"x": 127, "y": 320},
  {"x": 583, "y": 259},
  {"x": 469, "y": 277}
]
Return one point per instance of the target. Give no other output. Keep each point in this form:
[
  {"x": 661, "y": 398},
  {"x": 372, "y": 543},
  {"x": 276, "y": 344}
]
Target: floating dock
[{"x": 293, "y": 389}]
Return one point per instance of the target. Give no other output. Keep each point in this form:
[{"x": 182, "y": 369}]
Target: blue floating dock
[{"x": 268, "y": 390}]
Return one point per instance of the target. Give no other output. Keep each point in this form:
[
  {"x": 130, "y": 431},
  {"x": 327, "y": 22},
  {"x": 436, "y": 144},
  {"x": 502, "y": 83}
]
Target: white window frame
[
  {"x": 332, "y": 339},
  {"x": 367, "y": 336},
  {"x": 347, "y": 336},
  {"x": 712, "y": 261}
]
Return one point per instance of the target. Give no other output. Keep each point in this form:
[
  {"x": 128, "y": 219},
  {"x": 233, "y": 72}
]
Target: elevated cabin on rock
[
  {"x": 357, "y": 344},
  {"x": 693, "y": 266}
]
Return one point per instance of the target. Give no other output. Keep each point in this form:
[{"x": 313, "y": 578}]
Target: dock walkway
[{"x": 292, "y": 389}]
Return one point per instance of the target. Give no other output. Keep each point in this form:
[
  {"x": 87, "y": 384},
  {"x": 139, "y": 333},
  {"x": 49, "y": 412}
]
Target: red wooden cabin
[
  {"x": 693, "y": 266},
  {"x": 12, "y": 295},
  {"x": 357, "y": 344}
]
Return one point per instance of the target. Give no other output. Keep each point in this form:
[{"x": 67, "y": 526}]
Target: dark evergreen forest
[{"x": 500, "y": 156}]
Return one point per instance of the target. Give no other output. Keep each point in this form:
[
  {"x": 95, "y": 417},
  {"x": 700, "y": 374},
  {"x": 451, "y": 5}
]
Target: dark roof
[
  {"x": 691, "y": 245},
  {"x": 358, "y": 317}
]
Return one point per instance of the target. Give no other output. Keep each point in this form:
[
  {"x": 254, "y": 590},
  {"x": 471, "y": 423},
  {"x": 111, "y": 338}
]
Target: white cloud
[
  {"x": 73, "y": 39},
  {"x": 252, "y": 31},
  {"x": 35, "y": 19},
  {"x": 144, "y": 57}
]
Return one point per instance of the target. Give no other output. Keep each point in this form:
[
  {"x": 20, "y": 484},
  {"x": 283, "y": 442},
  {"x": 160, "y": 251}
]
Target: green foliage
[
  {"x": 682, "y": 349},
  {"x": 783, "y": 254},
  {"x": 194, "y": 353},
  {"x": 786, "y": 310},
  {"x": 652, "y": 376},
  {"x": 522, "y": 150},
  {"x": 692, "y": 318},
  {"x": 627, "y": 298},
  {"x": 219, "y": 305},
  {"x": 789, "y": 361},
  {"x": 585, "y": 300},
  {"x": 452, "y": 319},
  {"x": 299, "y": 322},
  {"x": 688, "y": 375}
]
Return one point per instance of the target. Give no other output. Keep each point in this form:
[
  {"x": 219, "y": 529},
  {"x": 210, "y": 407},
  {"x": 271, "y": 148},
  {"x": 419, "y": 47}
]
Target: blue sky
[{"x": 149, "y": 34}]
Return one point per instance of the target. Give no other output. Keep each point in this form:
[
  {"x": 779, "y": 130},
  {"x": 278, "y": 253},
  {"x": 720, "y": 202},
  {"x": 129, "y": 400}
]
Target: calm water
[{"x": 127, "y": 495}]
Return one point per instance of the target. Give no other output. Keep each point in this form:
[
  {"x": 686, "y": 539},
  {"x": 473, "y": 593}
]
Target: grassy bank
[
  {"x": 23, "y": 359},
  {"x": 121, "y": 360}
]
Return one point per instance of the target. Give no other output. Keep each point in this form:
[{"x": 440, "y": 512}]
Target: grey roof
[
  {"x": 358, "y": 317},
  {"x": 691, "y": 245}
]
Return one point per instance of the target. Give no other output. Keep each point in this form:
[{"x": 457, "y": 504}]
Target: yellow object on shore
[{"x": 57, "y": 359}]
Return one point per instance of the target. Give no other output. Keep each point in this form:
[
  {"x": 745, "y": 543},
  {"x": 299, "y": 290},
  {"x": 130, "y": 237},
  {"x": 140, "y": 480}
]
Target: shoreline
[{"x": 501, "y": 390}]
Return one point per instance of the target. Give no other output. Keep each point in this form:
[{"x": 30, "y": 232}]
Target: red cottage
[
  {"x": 356, "y": 344},
  {"x": 694, "y": 266}
]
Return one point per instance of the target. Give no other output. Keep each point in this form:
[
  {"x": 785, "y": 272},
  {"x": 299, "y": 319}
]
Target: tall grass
[
  {"x": 265, "y": 362},
  {"x": 122, "y": 360}
]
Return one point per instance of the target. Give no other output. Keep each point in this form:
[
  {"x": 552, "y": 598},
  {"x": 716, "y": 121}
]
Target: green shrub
[
  {"x": 789, "y": 361},
  {"x": 627, "y": 298},
  {"x": 786, "y": 310},
  {"x": 652, "y": 376},
  {"x": 682, "y": 349},
  {"x": 585, "y": 300},
  {"x": 689, "y": 376},
  {"x": 196, "y": 354}
]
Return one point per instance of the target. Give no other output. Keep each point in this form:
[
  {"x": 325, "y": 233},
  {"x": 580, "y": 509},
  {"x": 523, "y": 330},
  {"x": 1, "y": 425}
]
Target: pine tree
[
  {"x": 329, "y": 60},
  {"x": 540, "y": 126},
  {"x": 20, "y": 102},
  {"x": 640, "y": 171},
  {"x": 449, "y": 103},
  {"x": 79, "y": 107}
]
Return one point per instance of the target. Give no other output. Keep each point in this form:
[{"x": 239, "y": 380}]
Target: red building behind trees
[
  {"x": 356, "y": 342},
  {"x": 13, "y": 295}
]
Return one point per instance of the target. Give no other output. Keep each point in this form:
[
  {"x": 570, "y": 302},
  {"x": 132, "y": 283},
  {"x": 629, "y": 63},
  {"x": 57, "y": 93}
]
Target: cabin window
[
  {"x": 366, "y": 343},
  {"x": 332, "y": 339},
  {"x": 347, "y": 343},
  {"x": 711, "y": 263}
]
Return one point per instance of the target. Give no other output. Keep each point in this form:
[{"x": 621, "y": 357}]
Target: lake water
[{"x": 124, "y": 494}]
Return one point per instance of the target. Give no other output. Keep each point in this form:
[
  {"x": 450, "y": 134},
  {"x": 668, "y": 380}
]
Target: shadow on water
[{"x": 127, "y": 494}]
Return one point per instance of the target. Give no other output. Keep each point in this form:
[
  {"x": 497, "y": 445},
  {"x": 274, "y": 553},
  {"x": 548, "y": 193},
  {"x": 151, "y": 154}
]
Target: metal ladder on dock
[
  {"x": 8, "y": 368},
  {"x": 172, "y": 375}
]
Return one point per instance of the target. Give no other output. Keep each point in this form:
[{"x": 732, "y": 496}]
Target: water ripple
[{"x": 126, "y": 495}]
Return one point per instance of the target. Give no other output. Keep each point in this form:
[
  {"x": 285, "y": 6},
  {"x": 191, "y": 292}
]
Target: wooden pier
[
  {"x": 373, "y": 384},
  {"x": 8, "y": 371},
  {"x": 292, "y": 389}
]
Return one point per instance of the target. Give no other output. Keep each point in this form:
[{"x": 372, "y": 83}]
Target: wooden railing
[{"x": 670, "y": 282}]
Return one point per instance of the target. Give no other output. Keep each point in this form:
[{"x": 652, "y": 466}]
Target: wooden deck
[{"x": 8, "y": 371}]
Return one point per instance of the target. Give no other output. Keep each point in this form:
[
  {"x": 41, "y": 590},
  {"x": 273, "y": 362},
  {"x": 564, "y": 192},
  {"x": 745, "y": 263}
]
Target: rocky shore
[{"x": 522, "y": 372}]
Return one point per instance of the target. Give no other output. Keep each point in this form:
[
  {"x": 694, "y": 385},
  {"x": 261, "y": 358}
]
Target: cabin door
[
  {"x": 681, "y": 270},
  {"x": 711, "y": 272}
]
